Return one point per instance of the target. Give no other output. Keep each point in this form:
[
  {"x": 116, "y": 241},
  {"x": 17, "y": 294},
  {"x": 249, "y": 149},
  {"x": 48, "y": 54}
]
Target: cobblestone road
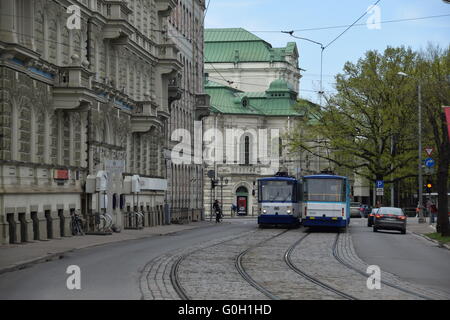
[{"x": 208, "y": 271}]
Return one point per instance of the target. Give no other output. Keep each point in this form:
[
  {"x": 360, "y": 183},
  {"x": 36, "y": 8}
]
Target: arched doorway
[{"x": 242, "y": 201}]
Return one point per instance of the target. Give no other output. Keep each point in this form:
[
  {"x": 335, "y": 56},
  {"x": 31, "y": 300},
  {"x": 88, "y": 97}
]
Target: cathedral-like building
[{"x": 254, "y": 109}]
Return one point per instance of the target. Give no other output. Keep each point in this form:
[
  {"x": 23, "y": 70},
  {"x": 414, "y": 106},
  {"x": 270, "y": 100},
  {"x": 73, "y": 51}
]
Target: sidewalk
[
  {"x": 19, "y": 256},
  {"x": 421, "y": 229}
]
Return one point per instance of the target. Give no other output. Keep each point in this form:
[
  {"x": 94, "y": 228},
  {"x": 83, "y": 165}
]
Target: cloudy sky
[{"x": 266, "y": 18}]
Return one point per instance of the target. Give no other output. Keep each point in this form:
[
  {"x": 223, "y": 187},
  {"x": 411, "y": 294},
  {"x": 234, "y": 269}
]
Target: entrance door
[
  {"x": 242, "y": 205},
  {"x": 242, "y": 201}
]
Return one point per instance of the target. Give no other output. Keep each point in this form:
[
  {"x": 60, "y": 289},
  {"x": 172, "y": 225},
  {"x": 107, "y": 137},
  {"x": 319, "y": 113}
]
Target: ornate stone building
[
  {"x": 185, "y": 180},
  {"x": 84, "y": 102}
]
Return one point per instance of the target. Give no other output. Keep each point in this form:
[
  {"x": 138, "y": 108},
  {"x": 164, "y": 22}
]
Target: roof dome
[{"x": 280, "y": 85}]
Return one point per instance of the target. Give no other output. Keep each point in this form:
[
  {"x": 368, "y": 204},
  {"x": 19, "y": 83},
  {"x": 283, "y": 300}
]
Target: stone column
[
  {"x": 4, "y": 230},
  {"x": 14, "y": 223},
  {"x": 66, "y": 222},
  {"x": 56, "y": 225},
  {"x": 8, "y": 27},
  {"x": 26, "y": 226},
  {"x": 42, "y": 221}
]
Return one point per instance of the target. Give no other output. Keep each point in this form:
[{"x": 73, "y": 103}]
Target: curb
[
  {"x": 60, "y": 255},
  {"x": 439, "y": 244}
]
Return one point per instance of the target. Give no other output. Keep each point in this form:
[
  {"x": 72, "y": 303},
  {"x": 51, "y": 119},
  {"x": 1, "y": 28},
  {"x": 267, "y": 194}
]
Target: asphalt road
[
  {"x": 107, "y": 272},
  {"x": 411, "y": 258}
]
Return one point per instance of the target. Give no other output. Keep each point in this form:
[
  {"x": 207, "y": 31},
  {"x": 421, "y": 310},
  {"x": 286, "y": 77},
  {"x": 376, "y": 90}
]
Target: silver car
[{"x": 389, "y": 218}]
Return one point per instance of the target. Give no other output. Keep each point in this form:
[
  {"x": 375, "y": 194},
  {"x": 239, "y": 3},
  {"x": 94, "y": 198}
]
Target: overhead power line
[{"x": 349, "y": 27}]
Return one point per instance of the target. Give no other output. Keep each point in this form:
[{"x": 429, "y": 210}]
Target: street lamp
[{"x": 419, "y": 89}]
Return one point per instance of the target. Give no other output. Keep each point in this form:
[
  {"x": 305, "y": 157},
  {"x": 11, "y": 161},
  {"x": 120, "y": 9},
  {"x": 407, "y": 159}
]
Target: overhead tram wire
[
  {"x": 291, "y": 33},
  {"x": 349, "y": 27}
]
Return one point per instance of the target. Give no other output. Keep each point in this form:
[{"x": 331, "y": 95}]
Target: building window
[{"x": 247, "y": 150}]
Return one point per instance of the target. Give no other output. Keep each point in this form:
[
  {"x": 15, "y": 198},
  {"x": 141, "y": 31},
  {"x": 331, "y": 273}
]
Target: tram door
[{"x": 242, "y": 205}]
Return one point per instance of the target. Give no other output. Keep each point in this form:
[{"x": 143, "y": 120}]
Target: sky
[{"x": 266, "y": 18}]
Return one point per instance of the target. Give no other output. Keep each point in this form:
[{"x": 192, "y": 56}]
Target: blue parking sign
[{"x": 380, "y": 184}]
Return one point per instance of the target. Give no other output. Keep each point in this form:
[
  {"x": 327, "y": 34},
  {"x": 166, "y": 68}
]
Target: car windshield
[
  {"x": 277, "y": 191},
  {"x": 393, "y": 211},
  {"x": 355, "y": 204}
]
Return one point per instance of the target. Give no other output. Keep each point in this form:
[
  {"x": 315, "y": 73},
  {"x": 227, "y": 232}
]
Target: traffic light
[
  {"x": 429, "y": 187},
  {"x": 213, "y": 183}
]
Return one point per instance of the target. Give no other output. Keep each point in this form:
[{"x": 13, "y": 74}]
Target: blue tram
[
  {"x": 326, "y": 201},
  {"x": 279, "y": 201}
]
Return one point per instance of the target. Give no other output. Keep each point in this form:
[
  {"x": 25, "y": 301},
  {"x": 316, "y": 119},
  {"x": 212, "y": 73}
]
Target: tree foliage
[{"x": 369, "y": 125}]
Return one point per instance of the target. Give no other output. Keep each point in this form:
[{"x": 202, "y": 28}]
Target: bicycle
[
  {"x": 76, "y": 224},
  {"x": 139, "y": 219},
  {"x": 105, "y": 222}
]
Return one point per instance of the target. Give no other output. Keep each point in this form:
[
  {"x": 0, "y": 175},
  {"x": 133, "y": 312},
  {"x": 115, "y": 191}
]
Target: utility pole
[{"x": 420, "y": 182}]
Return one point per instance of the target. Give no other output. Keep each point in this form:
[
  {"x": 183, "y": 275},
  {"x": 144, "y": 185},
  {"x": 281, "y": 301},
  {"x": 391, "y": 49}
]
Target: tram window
[
  {"x": 327, "y": 190},
  {"x": 277, "y": 191}
]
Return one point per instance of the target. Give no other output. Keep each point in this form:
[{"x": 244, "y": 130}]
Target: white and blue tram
[
  {"x": 279, "y": 201},
  {"x": 326, "y": 201}
]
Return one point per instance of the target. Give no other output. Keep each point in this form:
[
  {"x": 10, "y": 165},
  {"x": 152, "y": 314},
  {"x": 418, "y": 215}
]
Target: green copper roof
[
  {"x": 229, "y": 35},
  {"x": 279, "y": 100},
  {"x": 239, "y": 45}
]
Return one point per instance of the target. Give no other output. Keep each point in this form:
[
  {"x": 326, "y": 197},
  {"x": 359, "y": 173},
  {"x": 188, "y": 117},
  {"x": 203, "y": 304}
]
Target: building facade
[
  {"x": 254, "y": 93},
  {"x": 86, "y": 95},
  {"x": 185, "y": 180},
  {"x": 239, "y": 59}
]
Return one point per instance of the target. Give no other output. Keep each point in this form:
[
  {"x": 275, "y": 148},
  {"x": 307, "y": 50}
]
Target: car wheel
[
  {"x": 403, "y": 231},
  {"x": 375, "y": 229}
]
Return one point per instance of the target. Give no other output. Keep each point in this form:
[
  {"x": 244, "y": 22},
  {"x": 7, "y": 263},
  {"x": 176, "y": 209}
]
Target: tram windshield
[
  {"x": 327, "y": 190},
  {"x": 277, "y": 191}
]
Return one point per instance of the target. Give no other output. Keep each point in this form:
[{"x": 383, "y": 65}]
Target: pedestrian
[
  {"x": 217, "y": 210},
  {"x": 433, "y": 210},
  {"x": 233, "y": 209}
]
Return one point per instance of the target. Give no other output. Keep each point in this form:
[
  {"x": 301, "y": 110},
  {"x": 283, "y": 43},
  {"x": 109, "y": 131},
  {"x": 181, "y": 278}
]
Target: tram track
[
  {"x": 315, "y": 280},
  {"x": 349, "y": 266},
  {"x": 241, "y": 269},
  {"x": 174, "y": 279}
]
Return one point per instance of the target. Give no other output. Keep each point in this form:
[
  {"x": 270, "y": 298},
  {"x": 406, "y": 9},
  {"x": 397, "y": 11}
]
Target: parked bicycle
[
  {"x": 76, "y": 224},
  {"x": 106, "y": 222}
]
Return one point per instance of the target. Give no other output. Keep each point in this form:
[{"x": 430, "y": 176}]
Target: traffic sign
[
  {"x": 429, "y": 163},
  {"x": 429, "y": 151},
  {"x": 380, "y": 191},
  {"x": 380, "y": 184}
]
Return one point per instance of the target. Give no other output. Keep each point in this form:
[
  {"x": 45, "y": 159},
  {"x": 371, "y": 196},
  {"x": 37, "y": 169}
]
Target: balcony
[
  {"x": 202, "y": 103},
  {"x": 145, "y": 117},
  {"x": 164, "y": 7},
  {"x": 117, "y": 26},
  {"x": 74, "y": 89}
]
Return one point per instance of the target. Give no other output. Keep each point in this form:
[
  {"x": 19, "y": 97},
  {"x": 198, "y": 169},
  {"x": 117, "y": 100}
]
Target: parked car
[
  {"x": 371, "y": 217},
  {"x": 354, "y": 209},
  {"x": 389, "y": 218}
]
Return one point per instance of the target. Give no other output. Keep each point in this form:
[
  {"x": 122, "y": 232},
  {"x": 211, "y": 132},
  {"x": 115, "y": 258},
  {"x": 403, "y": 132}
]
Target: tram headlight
[
  {"x": 264, "y": 211},
  {"x": 289, "y": 211}
]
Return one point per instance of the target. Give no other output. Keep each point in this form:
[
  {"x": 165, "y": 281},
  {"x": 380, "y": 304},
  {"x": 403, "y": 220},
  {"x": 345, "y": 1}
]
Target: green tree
[
  {"x": 369, "y": 125},
  {"x": 433, "y": 73}
]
